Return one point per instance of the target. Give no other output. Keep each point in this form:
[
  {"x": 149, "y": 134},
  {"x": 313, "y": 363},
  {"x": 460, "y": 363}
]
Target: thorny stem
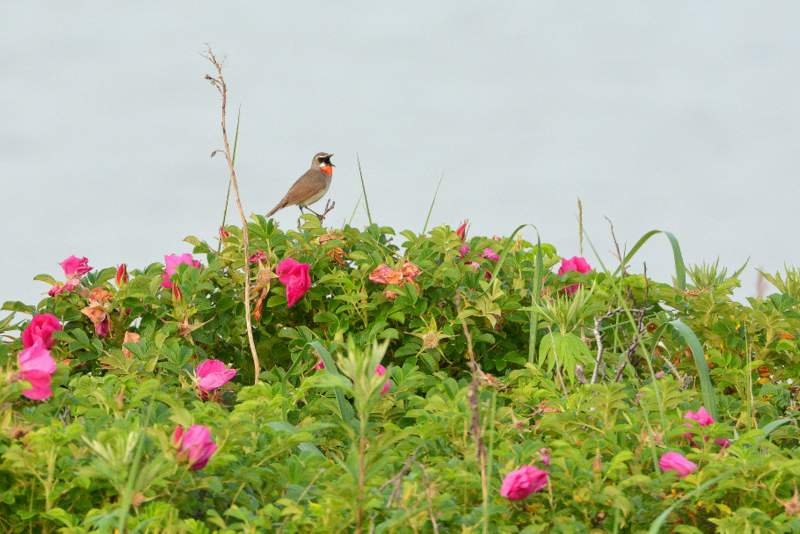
[{"x": 222, "y": 88}]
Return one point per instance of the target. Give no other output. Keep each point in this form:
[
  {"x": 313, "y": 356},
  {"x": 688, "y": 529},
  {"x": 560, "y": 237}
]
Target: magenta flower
[
  {"x": 490, "y": 254},
  {"x": 66, "y": 287},
  {"x": 294, "y": 276},
  {"x": 195, "y": 445},
  {"x": 701, "y": 417},
  {"x": 75, "y": 267},
  {"x": 522, "y": 482},
  {"x": 212, "y": 374},
  {"x": 673, "y": 461},
  {"x": 41, "y": 328},
  {"x": 320, "y": 365},
  {"x": 37, "y": 366},
  {"x": 463, "y": 250},
  {"x": 380, "y": 370},
  {"x": 171, "y": 263},
  {"x": 103, "y": 328},
  {"x": 544, "y": 455},
  {"x": 574, "y": 264}
]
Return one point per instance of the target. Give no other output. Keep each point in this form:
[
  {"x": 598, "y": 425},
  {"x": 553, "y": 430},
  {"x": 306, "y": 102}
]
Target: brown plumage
[{"x": 310, "y": 187}]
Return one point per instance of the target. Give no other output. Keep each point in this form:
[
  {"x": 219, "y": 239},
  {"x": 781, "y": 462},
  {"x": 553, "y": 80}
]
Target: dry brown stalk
[{"x": 219, "y": 83}]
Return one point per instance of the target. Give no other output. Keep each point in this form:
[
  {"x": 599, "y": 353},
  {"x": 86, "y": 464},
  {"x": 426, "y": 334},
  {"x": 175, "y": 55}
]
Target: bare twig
[
  {"x": 219, "y": 83},
  {"x": 397, "y": 480},
  {"x": 599, "y": 339},
  {"x": 619, "y": 252},
  {"x": 634, "y": 345}
]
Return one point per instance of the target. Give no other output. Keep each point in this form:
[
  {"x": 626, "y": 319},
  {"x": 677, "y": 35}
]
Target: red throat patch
[{"x": 327, "y": 169}]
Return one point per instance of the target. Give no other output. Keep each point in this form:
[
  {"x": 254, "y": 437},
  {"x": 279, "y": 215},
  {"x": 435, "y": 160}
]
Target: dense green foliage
[{"x": 323, "y": 450}]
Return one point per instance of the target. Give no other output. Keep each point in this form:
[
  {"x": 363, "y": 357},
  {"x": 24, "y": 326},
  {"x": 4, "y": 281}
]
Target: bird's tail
[{"x": 281, "y": 204}]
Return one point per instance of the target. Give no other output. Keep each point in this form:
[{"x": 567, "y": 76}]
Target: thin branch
[
  {"x": 634, "y": 345},
  {"x": 222, "y": 88},
  {"x": 599, "y": 339}
]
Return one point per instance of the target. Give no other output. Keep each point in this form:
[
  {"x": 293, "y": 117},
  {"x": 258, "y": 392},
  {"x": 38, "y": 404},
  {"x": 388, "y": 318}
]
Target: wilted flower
[
  {"x": 410, "y": 271},
  {"x": 383, "y": 274},
  {"x": 522, "y": 482},
  {"x": 41, "y": 328},
  {"x": 130, "y": 337},
  {"x": 389, "y": 294},
  {"x": 223, "y": 233},
  {"x": 171, "y": 262},
  {"x": 490, "y": 254},
  {"x": 37, "y": 366},
  {"x": 673, "y": 461},
  {"x": 380, "y": 370},
  {"x": 75, "y": 267},
  {"x": 574, "y": 264},
  {"x": 294, "y": 276},
  {"x": 461, "y": 231},
  {"x": 195, "y": 445},
  {"x": 122, "y": 274},
  {"x": 97, "y": 310},
  {"x": 212, "y": 374}
]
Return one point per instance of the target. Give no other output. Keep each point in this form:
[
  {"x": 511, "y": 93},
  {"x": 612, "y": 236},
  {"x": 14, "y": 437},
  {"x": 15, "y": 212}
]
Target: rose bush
[{"x": 127, "y": 406}]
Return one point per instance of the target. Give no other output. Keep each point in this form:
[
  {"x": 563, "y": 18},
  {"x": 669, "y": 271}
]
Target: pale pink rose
[
  {"x": 294, "y": 276},
  {"x": 37, "y": 366},
  {"x": 380, "y": 370},
  {"x": 41, "y": 328},
  {"x": 75, "y": 267},
  {"x": 171, "y": 262},
  {"x": 673, "y": 461},
  {"x": 490, "y": 254},
  {"x": 574, "y": 264},
  {"x": 195, "y": 445},
  {"x": 212, "y": 374},
  {"x": 522, "y": 482}
]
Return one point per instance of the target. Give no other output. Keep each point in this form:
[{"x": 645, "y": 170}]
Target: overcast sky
[{"x": 682, "y": 116}]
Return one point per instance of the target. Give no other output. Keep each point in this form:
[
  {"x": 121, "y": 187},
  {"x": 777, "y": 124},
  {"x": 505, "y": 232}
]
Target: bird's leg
[
  {"x": 314, "y": 212},
  {"x": 329, "y": 204}
]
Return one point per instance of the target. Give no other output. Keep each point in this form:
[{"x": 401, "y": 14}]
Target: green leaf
[
  {"x": 345, "y": 408},
  {"x": 706, "y": 387}
]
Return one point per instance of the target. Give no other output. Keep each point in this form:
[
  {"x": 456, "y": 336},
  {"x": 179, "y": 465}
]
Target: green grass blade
[
  {"x": 364, "y": 189},
  {"x": 433, "y": 202},
  {"x": 655, "y": 526},
  {"x": 355, "y": 209},
  {"x": 345, "y": 408},
  {"x": 706, "y": 387},
  {"x": 680, "y": 267},
  {"x": 536, "y": 296}
]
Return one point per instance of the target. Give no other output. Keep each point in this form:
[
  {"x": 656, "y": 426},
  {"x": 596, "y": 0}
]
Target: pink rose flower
[
  {"x": 67, "y": 287},
  {"x": 75, "y": 267},
  {"x": 103, "y": 328},
  {"x": 41, "y": 328},
  {"x": 37, "y": 366},
  {"x": 294, "y": 276},
  {"x": 574, "y": 264},
  {"x": 673, "y": 461},
  {"x": 490, "y": 254},
  {"x": 461, "y": 231},
  {"x": 380, "y": 370},
  {"x": 473, "y": 265},
  {"x": 171, "y": 263},
  {"x": 701, "y": 417},
  {"x": 463, "y": 251},
  {"x": 195, "y": 445},
  {"x": 212, "y": 374},
  {"x": 320, "y": 365},
  {"x": 522, "y": 482}
]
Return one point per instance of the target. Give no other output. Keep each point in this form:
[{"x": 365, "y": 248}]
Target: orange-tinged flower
[
  {"x": 130, "y": 337},
  {"x": 383, "y": 274},
  {"x": 410, "y": 271}
]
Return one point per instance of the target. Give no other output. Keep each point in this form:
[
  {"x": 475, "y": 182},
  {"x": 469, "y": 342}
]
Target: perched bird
[{"x": 310, "y": 187}]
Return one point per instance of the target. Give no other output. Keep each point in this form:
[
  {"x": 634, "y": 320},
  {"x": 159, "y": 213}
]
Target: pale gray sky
[{"x": 681, "y": 116}]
